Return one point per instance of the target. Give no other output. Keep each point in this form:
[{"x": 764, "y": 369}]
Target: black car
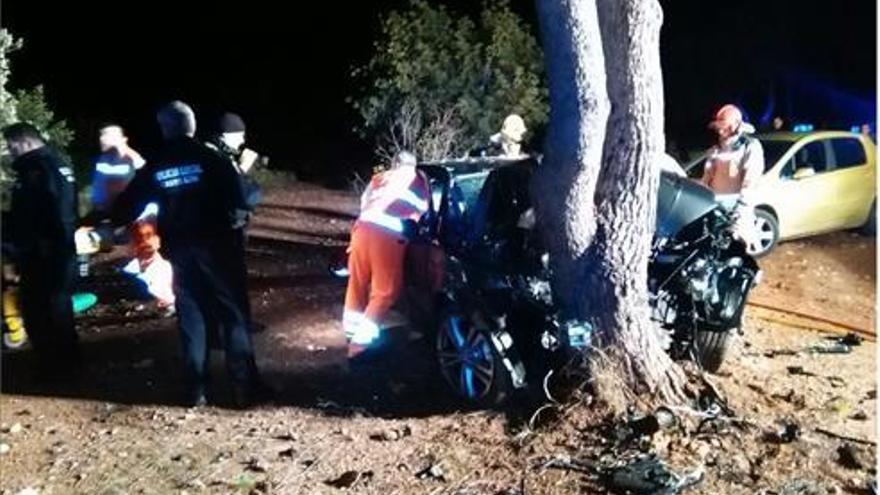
[{"x": 495, "y": 326}]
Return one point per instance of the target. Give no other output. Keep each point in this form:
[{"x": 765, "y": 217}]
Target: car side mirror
[{"x": 803, "y": 173}]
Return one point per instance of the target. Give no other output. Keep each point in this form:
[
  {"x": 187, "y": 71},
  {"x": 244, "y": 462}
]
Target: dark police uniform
[
  {"x": 41, "y": 223},
  {"x": 202, "y": 212}
]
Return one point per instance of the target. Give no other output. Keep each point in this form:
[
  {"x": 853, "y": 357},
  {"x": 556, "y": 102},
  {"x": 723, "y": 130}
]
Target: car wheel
[
  {"x": 766, "y": 233},
  {"x": 470, "y": 363}
]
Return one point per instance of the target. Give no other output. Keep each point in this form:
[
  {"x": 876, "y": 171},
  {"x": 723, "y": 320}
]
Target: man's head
[
  {"x": 232, "y": 130},
  {"x": 22, "y": 138},
  {"x": 176, "y": 120},
  {"x": 727, "y": 123},
  {"x": 145, "y": 240},
  {"x": 111, "y": 136},
  {"x": 403, "y": 159},
  {"x": 778, "y": 123}
]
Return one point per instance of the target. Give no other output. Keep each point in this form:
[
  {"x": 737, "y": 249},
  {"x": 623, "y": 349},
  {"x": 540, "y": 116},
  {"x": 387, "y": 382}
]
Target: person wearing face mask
[
  {"x": 734, "y": 165},
  {"x": 229, "y": 141}
]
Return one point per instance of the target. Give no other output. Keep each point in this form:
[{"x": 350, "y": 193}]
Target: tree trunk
[
  {"x": 608, "y": 213},
  {"x": 579, "y": 110}
]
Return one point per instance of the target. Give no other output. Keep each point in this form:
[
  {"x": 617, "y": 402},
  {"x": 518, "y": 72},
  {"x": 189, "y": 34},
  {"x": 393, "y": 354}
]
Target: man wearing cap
[
  {"x": 391, "y": 206},
  {"x": 230, "y": 142},
  {"x": 38, "y": 236},
  {"x": 201, "y": 214},
  {"x": 734, "y": 165}
]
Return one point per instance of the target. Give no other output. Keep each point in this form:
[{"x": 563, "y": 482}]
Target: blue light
[
  {"x": 855, "y": 128},
  {"x": 802, "y": 127}
]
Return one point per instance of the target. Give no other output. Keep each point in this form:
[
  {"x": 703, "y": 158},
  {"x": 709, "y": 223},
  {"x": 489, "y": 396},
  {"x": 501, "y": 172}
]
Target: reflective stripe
[
  {"x": 410, "y": 197},
  {"x": 367, "y": 331},
  {"x": 390, "y": 193},
  {"x": 351, "y": 321},
  {"x": 109, "y": 169},
  {"x": 382, "y": 219},
  {"x": 151, "y": 210}
]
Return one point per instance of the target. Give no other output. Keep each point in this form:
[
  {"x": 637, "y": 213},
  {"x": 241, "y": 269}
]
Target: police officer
[
  {"x": 39, "y": 238},
  {"x": 202, "y": 212}
]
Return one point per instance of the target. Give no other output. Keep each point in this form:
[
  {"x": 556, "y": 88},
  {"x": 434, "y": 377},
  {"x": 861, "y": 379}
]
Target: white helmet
[{"x": 513, "y": 128}]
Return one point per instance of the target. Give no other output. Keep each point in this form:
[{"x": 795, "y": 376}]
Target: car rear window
[{"x": 848, "y": 152}]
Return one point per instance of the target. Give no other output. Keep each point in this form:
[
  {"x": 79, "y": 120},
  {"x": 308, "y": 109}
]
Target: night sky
[{"x": 286, "y": 69}]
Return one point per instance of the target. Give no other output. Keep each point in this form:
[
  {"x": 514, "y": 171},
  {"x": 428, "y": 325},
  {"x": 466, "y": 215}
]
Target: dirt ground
[{"x": 394, "y": 428}]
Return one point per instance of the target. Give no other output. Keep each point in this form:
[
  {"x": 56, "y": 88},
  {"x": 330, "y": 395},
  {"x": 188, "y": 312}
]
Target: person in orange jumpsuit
[{"x": 391, "y": 206}]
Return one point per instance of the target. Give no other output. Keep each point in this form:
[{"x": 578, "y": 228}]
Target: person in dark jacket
[
  {"x": 39, "y": 239},
  {"x": 202, "y": 212},
  {"x": 229, "y": 141}
]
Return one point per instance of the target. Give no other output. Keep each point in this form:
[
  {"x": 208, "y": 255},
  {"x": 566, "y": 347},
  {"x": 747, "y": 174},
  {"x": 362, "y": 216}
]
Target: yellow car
[{"x": 813, "y": 183}]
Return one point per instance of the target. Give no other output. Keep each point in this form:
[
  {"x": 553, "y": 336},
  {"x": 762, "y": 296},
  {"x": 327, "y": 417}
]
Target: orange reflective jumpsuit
[{"x": 378, "y": 248}]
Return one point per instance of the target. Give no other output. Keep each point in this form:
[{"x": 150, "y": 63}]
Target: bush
[{"x": 440, "y": 84}]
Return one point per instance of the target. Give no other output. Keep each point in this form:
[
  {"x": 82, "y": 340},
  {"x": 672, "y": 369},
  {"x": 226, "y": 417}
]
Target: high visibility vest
[{"x": 394, "y": 196}]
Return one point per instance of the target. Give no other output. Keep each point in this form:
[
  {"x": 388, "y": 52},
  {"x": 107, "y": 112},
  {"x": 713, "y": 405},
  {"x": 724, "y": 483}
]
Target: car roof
[{"x": 797, "y": 136}]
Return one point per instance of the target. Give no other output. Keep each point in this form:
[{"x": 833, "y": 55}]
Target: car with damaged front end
[{"x": 479, "y": 279}]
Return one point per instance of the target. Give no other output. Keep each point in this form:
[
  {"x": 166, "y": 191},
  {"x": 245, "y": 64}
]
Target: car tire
[
  {"x": 710, "y": 348},
  {"x": 870, "y": 226},
  {"x": 766, "y": 233},
  {"x": 470, "y": 363}
]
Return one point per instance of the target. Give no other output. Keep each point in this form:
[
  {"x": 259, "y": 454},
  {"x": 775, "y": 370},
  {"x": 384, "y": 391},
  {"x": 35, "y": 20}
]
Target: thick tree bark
[
  {"x": 607, "y": 212},
  {"x": 573, "y": 150},
  {"x": 626, "y": 194}
]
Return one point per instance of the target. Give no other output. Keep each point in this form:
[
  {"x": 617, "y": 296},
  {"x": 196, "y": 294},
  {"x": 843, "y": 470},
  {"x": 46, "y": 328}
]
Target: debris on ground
[
  {"x": 859, "y": 416},
  {"x": 849, "y": 456},
  {"x": 780, "y": 352},
  {"x": 801, "y": 487},
  {"x": 391, "y": 434},
  {"x": 257, "y": 465},
  {"x": 835, "y": 348},
  {"x": 788, "y": 432},
  {"x": 647, "y": 475},
  {"x": 349, "y": 478},
  {"x": 799, "y": 370},
  {"x": 851, "y": 339},
  {"x": 662, "y": 419},
  {"x": 432, "y": 471}
]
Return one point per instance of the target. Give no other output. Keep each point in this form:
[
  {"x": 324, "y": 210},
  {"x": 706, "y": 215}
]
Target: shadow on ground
[{"x": 131, "y": 356}]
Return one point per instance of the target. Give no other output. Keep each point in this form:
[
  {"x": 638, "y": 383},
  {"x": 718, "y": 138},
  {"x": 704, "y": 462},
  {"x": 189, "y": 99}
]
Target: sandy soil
[{"x": 393, "y": 427}]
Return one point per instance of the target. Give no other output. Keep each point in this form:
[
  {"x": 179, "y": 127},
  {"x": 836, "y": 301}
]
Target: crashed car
[{"x": 491, "y": 311}]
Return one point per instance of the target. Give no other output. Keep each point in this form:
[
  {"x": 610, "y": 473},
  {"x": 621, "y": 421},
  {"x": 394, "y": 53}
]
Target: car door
[
  {"x": 801, "y": 197},
  {"x": 850, "y": 184}
]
